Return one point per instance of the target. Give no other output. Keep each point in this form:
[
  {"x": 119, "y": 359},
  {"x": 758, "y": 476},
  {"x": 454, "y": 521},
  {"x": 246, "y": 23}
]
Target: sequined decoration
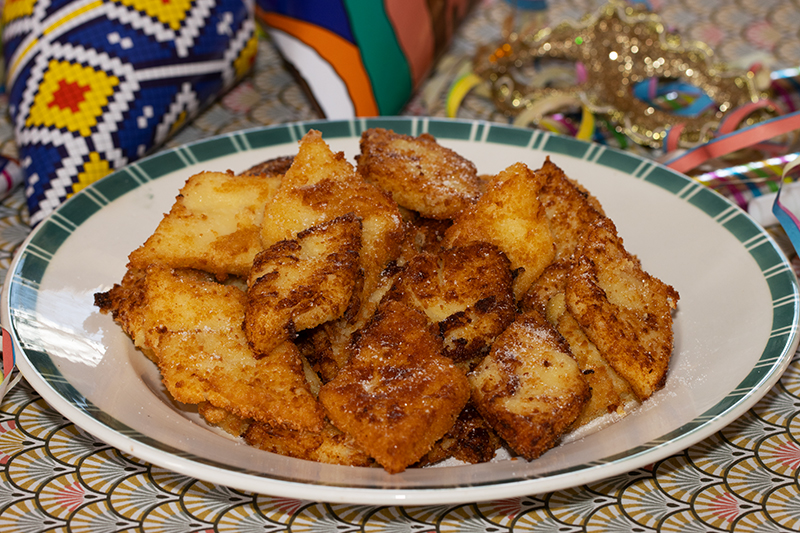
[{"x": 615, "y": 50}]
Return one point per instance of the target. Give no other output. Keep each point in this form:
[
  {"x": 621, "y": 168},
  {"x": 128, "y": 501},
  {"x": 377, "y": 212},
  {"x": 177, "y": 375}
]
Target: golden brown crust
[
  {"x": 423, "y": 235},
  {"x": 194, "y": 327},
  {"x": 391, "y": 305},
  {"x": 553, "y": 281},
  {"x": 610, "y": 393},
  {"x": 570, "y": 209},
  {"x": 418, "y": 172},
  {"x": 397, "y": 395},
  {"x": 214, "y": 225},
  {"x": 275, "y": 167},
  {"x": 125, "y": 301},
  {"x": 322, "y": 185},
  {"x": 626, "y": 312},
  {"x": 223, "y": 419},
  {"x": 327, "y": 346},
  {"x": 328, "y": 445},
  {"x": 466, "y": 293},
  {"x": 470, "y": 440},
  {"x": 301, "y": 283},
  {"x": 529, "y": 387},
  {"x": 510, "y": 216}
]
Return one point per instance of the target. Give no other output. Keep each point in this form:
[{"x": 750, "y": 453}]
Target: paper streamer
[
  {"x": 787, "y": 206},
  {"x": 737, "y": 140},
  {"x": 11, "y": 175}
]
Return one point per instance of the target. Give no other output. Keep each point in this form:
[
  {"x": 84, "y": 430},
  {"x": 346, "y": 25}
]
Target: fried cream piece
[
  {"x": 214, "y": 225},
  {"x": 322, "y": 185},
  {"x": 570, "y": 209},
  {"x": 625, "y": 312},
  {"x": 237, "y": 426},
  {"x": 529, "y": 388},
  {"x": 471, "y": 440},
  {"x": 610, "y": 393},
  {"x": 124, "y": 301},
  {"x": 327, "y": 346},
  {"x": 202, "y": 353},
  {"x": 465, "y": 291},
  {"x": 397, "y": 395},
  {"x": 552, "y": 282},
  {"x": 510, "y": 216},
  {"x": 418, "y": 172},
  {"x": 329, "y": 445},
  {"x": 299, "y": 284},
  {"x": 144, "y": 312},
  {"x": 275, "y": 167},
  {"x": 223, "y": 419},
  {"x": 423, "y": 235}
]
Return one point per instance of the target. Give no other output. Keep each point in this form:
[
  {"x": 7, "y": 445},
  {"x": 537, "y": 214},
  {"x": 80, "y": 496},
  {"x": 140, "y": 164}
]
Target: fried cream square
[
  {"x": 223, "y": 419},
  {"x": 465, "y": 291},
  {"x": 529, "y": 388},
  {"x": 418, "y": 172},
  {"x": 125, "y": 302},
  {"x": 510, "y": 216},
  {"x": 610, "y": 393},
  {"x": 203, "y": 354},
  {"x": 327, "y": 346},
  {"x": 329, "y": 445},
  {"x": 471, "y": 440},
  {"x": 398, "y": 394},
  {"x": 145, "y": 309},
  {"x": 275, "y": 167},
  {"x": 570, "y": 209},
  {"x": 321, "y": 185},
  {"x": 214, "y": 225},
  {"x": 301, "y": 283},
  {"x": 625, "y": 312}
]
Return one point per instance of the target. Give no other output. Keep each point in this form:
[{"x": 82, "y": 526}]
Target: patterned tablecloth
[{"x": 55, "y": 477}]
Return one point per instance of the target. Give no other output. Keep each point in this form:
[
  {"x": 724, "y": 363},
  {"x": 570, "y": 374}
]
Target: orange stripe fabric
[
  {"x": 343, "y": 56},
  {"x": 414, "y": 30}
]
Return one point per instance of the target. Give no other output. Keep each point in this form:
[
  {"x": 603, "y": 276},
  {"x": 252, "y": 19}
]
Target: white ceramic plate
[{"x": 735, "y": 328}]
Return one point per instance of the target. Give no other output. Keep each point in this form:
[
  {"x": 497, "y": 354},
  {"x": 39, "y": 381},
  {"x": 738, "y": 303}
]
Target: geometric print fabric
[{"x": 95, "y": 85}]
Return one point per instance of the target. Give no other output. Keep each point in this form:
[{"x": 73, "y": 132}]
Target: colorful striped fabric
[{"x": 361, "y": 58}]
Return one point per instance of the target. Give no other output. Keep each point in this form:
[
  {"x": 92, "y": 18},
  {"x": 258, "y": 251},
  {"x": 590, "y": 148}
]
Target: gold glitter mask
[{"x": 618, "y": 48}]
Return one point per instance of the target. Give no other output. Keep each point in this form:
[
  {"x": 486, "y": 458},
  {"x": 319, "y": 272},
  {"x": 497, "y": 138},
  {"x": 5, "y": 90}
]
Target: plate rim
[{"x": 137, "y": 173}]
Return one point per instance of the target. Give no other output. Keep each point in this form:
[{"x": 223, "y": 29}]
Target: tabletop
[{"x": 56, "y": 477}]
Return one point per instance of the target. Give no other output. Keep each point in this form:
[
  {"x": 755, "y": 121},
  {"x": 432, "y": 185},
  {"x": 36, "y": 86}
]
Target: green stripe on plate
[
  {"x": 212, "y": 149},
  {"x": 450, "y": 130},
  {"x": 330, "y": 130},
  {"x": 567, "y": 146},
  {"x": 79, "y": 208},
  {"x": 509, "y": 136},
  {"x": 619, "y": 161},
  {"x": 396, "y": 124},
  {"x": 261, "y": 138},
  {"x": 161, "y": 164},
  {"x": 745, "y": 229},
  {"x": 31, "y": 267},
  {"x": 710, "y": 202},
  {"x": 116, "y": 185},
  {"x": 781, "y": 284},
  {"x": 50, "y": 236},
  {"x": 666, "y": 179}
]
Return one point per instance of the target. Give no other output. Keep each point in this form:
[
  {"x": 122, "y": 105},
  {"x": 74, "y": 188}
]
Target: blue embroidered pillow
[{"x": 94, "y": 85}]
